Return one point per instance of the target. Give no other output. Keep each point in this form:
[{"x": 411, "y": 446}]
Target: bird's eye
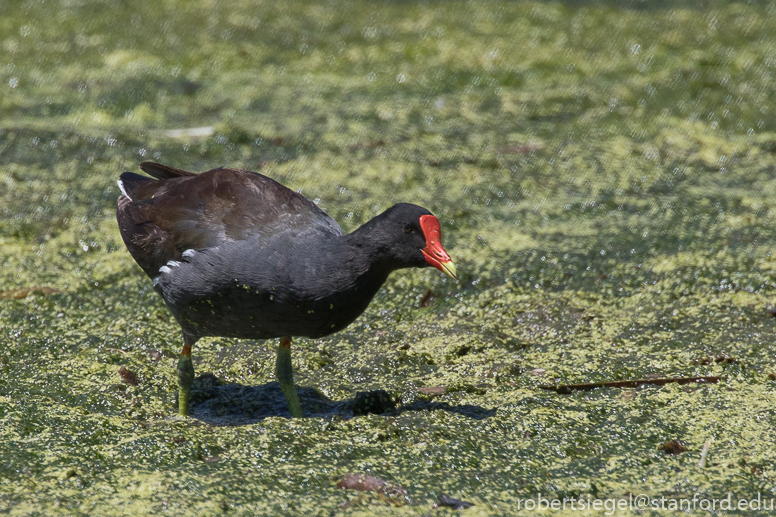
[{"x": 406, "y": 228}]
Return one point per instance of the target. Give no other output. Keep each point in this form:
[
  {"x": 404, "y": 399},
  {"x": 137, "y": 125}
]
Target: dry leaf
[
  {"x": 366, "y": 483},
  {"x": 128, "y": 376}
]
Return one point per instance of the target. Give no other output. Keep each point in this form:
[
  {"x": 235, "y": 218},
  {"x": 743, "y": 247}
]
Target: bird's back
[{"x": 160, "y": 219}]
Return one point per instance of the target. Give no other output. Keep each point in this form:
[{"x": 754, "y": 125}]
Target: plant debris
[
  {"x": 128, "y": 376},
  {"x": 719, "y": 358},
  {"x": 455, "y": 504},
  {"x": 432, "y": 391},
  {"x": 24, "y": 292},
  {"x": 635, "y": 383},
  {"x": 705, "y": 453},
  {"x": 366, "y": 483},
  {"x": 674, "y": 447},
  {"x": 427, "y": 298}
]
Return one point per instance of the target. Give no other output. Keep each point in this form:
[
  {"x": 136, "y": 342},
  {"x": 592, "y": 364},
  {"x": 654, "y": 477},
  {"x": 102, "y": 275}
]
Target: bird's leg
[
  {"x": 285, "y": 376},
  {"x": 185, "y": 376}
]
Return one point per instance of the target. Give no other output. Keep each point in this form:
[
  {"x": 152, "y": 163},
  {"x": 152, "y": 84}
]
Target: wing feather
[{"x": 181, "y": 210}]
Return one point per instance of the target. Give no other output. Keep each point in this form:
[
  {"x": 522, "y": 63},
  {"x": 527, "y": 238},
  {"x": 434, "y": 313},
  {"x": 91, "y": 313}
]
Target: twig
[
  {"x": 705, "y": 453},
  {"x": 635, "y": 383},
  {"x": 119, "y": 350}
]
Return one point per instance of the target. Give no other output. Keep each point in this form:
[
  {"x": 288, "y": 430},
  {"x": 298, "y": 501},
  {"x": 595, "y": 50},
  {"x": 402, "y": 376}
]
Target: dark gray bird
[{"x": 236, "y": 254}]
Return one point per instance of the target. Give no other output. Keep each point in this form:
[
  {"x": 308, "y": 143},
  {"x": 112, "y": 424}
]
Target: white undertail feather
[{"x": 123, "y": 190}]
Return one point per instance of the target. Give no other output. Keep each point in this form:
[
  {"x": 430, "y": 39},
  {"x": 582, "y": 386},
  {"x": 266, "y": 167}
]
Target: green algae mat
[{"x": 604, "y": 173}]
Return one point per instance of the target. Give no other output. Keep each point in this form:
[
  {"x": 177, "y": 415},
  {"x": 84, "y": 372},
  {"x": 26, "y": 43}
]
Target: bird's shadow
[{"x": 216, "y": 403}]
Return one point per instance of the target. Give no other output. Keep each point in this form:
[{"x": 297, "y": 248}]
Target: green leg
[
  {"x": 285, "y": 376},
  {"x": 185, "y": 379}
]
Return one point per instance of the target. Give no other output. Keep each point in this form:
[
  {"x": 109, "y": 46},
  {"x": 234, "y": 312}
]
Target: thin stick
[
  {"x": 705, "y": 452},
  {"x": 635, "y": 383},
  {"x": 119, "y": 350}
]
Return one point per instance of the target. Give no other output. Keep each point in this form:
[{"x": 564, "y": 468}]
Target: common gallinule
[{"x": 236, "y": 254}]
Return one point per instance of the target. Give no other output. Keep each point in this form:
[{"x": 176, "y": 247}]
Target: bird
[{"x": 234, "y": 253}]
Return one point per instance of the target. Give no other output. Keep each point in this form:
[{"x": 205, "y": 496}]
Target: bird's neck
[
  {"x": 368, "y": 254},
  {"x": 351, "y": 271}
]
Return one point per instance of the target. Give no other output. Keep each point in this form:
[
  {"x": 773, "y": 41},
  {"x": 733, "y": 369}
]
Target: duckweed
[{"x": 603, "y": 172}]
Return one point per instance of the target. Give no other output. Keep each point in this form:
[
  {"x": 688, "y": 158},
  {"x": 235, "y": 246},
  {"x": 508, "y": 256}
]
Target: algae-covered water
[{"x": 604, "y": 173}]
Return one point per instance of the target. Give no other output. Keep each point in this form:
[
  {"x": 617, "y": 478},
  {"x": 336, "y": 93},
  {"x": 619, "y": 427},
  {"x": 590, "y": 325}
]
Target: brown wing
[{"x": 160, "y": 219}]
